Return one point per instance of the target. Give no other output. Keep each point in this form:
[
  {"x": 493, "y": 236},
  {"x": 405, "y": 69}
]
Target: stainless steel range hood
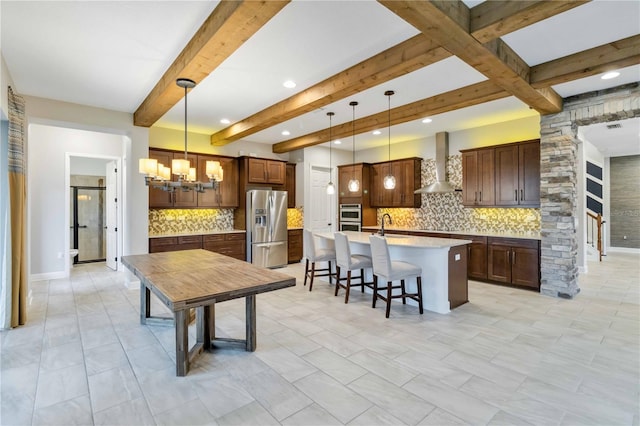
[{"x": 442, "y": 152}]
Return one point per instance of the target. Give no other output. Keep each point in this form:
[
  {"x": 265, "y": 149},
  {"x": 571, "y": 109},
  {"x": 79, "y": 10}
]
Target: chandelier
[
  {"x": 157, "y": 175},
  {"x": 331, "y": 189}
]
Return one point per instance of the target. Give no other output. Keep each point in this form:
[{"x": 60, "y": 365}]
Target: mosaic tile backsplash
[
  {"x": 445, "y": 212},
  {"x": 182, "y": 221},
  {"x": 295, "y": 218}
]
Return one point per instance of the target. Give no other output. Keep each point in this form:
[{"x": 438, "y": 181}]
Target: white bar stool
[
  {"x": 392, "y": 270},
  {"x": 313, "y": 255},
  {"x": 345, "y": 261}
]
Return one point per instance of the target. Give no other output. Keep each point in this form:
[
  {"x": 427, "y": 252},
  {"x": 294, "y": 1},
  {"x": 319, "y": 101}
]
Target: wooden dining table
[{"x": 198, "y": 279}]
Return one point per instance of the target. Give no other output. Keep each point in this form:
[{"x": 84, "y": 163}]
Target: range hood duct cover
[{"x": 442, "y": 152}]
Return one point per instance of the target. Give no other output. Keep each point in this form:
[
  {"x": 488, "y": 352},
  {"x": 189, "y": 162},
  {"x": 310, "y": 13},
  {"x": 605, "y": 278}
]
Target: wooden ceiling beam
[
  {"x": 492, "y": 19},
  {"x": 230, "y": 24},
  {"x": 408, "y": 56},
  {"x": 460, "y": 98},
  {"x": 608, "y": 57},
  {"x": 447, "y": 24}
]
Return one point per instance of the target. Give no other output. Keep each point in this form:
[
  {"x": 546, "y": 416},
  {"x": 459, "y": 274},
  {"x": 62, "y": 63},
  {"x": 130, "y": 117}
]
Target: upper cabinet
[
  {"x": 263, "y": 171},
  {"x": 290, "y": 186},
  {"x": 504, "y": 175},
  {"x": 408, "y": 178},
  {"x": 361, "y": 172},
  {"x": 226, "y": 196},
  {"x": 518, "y": 174},
  {"x": 478, "y": 177}
]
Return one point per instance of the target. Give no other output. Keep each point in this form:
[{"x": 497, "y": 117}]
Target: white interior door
[
  {"x": 322, "y": 204},
  {"x": 112, "y": 215}
]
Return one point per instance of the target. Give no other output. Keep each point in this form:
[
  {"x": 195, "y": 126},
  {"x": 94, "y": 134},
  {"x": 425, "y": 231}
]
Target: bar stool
[
  {"x": 313, "y": 255},
  {"x": 392, "y": 270},
  {"x": 345, "y": 261}
]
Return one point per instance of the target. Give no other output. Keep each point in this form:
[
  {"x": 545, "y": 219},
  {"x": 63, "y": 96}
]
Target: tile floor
[{"x": 509, "y": 356}]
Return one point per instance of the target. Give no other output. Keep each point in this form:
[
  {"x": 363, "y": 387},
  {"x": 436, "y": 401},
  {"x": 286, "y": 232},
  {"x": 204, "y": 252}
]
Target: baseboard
[
  {"x": 623, "y": 250},
  {"x": 48, "y": 276}
]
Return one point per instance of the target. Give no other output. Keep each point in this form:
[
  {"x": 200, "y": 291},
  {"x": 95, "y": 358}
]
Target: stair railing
[{"x": 594, "y": 232}]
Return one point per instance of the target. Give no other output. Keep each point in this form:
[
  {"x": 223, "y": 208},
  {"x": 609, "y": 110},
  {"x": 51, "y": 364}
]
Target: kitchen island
[{"x": 443, "y": 262}]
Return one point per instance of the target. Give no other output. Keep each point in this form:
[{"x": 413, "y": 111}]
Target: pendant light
[
  {"x": 389, "y": 181},
  {"x": 159, "y": 176},
  {"x": 331, "y": 189},
  {"x": 354, "y": 183}
]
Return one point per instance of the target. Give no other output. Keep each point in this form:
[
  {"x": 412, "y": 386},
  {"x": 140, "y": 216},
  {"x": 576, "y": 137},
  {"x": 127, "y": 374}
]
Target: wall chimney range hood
[{"x": 442, "y": 152}]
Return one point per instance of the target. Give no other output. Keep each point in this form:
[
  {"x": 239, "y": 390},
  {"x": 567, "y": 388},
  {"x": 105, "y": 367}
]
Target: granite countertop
[
  {"x": 401, "y": 240},
  {"x": 183, "y": 234},
  {"x": 523, "y": 235},
  {"x": 291, "y": 228}
]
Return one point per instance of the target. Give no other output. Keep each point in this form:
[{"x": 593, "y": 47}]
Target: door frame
[{"x": 67, "y": 201}]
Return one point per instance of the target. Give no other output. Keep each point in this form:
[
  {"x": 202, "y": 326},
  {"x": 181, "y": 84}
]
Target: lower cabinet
[
  {"x": 230, "y": 244},
  {"x": 476, "y": 256},
  {"x": 187, "y": 242},
  {"x": 514, "y": 261},
  {"x": 294, "y": 245}
]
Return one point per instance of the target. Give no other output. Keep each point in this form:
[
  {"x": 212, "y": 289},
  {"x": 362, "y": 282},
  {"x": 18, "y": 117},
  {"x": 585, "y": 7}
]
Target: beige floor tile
[
  {"x": 250, "y": 414},
  {"x": 339, "y": 368},
  {"x": 75, "y": 411},
  {"x": 133, "y": 412},
  {"x": 312, "y": 415}
]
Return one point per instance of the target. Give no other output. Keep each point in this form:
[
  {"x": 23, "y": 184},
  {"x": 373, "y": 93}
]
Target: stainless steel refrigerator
[{"x": 267, "y": 227}]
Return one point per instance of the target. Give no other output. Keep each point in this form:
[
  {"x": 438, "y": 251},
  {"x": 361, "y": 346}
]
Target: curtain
[{"x": 17, "y": 209}]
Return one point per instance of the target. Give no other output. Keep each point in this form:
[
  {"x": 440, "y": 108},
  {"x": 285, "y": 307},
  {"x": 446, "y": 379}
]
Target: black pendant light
[
  {"x": 389, "y": 181},
  {"x": 331, "y": 189},
  {"x": 354, "y": 183}
]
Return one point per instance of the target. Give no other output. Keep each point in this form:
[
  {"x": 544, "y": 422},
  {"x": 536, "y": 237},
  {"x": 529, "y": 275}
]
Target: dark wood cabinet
[
  {"x": 290, "y": 185},
  {"x": 476, "y": 255},
  {"x": 294, "y": 245},
  {"x": 186, "y": 242},
  {"x": 514, "y": 261},
  {"x": 478, "y": 177},
  {"x": 261, "y": 170},
  {"x": 362, "y": 172},
  {"x": 408, "y": 178},
  {"x": 231, "y": 244},
  {"x": 517, "y": 171},
  {"x": 226, "y": 196}
]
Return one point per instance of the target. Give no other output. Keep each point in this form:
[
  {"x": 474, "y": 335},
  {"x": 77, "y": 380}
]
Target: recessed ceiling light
[
  {"x": 285, "y": 133},
  {"x": 225, "y": 121},
  {"x": 289, "y": 84},
  {"x": 337, "y": 142},
  {"x": 377, "y": 132},
  {"x": 427, "y": 120},
  {"x": 610, "y": 75}
]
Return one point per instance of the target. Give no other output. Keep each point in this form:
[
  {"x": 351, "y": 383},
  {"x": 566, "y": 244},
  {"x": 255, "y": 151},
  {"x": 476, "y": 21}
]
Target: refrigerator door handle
[{"x": 269, "y": 245}]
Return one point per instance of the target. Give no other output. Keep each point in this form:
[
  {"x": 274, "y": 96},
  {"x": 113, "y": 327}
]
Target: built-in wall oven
[{"x": 350, "y": 217}]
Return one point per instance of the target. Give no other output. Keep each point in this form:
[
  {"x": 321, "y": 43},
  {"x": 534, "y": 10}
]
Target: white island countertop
[
  {"x": 401, "y": 240},
  {"x": 443, "y": 262}
]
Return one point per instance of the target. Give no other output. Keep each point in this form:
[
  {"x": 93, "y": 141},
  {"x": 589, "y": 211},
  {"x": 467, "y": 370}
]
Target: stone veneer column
[{"x": 558, "y": 171}]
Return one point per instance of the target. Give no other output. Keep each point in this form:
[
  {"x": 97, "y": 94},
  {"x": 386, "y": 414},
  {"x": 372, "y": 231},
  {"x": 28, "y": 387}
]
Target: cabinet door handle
[
  {"x": 516, "y": 195},
  {"x": 475, "y": 197},
  {"x": 480, "y": 196},
  {"x": 522, "y": 195}
]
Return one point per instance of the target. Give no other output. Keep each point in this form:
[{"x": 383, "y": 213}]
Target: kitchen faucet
[{"x": 381, "y": 232}]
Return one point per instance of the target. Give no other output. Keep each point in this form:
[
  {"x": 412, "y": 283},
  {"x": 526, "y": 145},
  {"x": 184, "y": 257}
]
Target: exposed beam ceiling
[
  {"x": 488, "y": 20},
  {"x": 448, "y": 22},
  {"x": 565, "y": 69},
  {"x": 445, "y": 102},
  {"x": 225, "y": 30}
]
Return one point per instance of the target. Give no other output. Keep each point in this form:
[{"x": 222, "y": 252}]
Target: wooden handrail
[{"x": 598, "y": 219}]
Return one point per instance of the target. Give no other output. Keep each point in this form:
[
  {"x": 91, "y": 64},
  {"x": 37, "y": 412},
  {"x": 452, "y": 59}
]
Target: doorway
[
  {"x": 322, "y": 217},
  {"x": 88, "y": 230}
]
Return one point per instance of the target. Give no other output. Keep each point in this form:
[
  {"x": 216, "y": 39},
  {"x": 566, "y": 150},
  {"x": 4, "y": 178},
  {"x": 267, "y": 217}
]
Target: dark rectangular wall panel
[
  {"x": 594, "y": 170},
  {"x": 594, "y": 188},
  {"x": 594, "y": 205}
]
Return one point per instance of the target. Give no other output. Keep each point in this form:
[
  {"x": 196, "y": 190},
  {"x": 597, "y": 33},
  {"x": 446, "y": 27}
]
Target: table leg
[
  {"x": 205, "y": 325},
  {"x": 182, "y": 342},
  {"x": 145, "y": 303},
  {"x": 251, "y": 322}
]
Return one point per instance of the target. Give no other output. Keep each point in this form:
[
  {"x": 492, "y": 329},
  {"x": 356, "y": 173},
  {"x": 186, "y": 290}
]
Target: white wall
[
  {"x": 87, "y": 166},
  {"x": 82, "y": 130}
]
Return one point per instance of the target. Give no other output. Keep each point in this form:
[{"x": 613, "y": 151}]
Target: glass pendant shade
[
  {"x": 331, "y": 189},
  {"x": 148, "y": 166},
  {"x": 389, "y": 181},
  {"x": 180, "y": 166},
  {"x": 354, "y": 185}
]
